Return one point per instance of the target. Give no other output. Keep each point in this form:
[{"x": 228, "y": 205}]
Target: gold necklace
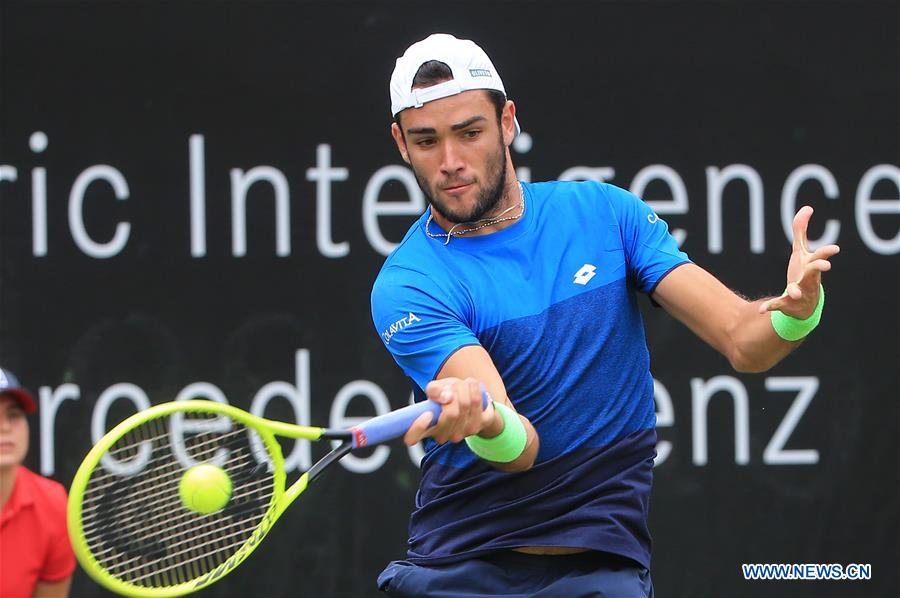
[{"x": 483, "y": 223}]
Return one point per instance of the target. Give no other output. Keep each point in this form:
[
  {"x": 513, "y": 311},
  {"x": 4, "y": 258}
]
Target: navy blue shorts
[{"x": 513, "y": 574}]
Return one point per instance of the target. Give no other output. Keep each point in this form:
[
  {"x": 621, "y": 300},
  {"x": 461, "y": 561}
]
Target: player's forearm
[
  {"x": 472, "y": 363},
  {"x": 754, "y": 346},
  {"x": 729, "y": 323},
  {"x": 532, "y": 443}
]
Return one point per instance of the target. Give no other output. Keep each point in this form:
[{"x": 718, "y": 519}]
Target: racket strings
[
  {"x": 134, "y": 522},
  {"x": 133, "y": 518},
  {"x": 159, "y": 442},
  {"x": 234, "y": 539},
  {"x": 91, "y": 504}
]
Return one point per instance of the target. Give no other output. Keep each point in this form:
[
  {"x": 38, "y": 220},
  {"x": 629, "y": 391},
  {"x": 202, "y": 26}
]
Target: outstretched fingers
[
  {"x": 804, "y": 270},
  {"x": 825, "y": 252},
  {"x": 819, "y": 266},
  {"x": 815, "y": 263},
  {"x": 799, "y": 226}
]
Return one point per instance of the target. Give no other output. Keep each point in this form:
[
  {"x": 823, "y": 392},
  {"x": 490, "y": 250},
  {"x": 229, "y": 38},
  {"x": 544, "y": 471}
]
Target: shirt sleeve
[
  {"x": 60, "y": 560},
  {"x": 421, "y": 324},
  {"x": 651, "y": 252}
]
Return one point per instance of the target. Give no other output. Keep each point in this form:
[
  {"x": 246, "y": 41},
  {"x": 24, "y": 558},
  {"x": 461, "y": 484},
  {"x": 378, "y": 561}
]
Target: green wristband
[
  {"x": 792, "y": 329},
  {"x": 505, "y": 446}
]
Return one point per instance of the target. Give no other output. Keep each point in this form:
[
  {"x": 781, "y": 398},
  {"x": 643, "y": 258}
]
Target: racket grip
[{"x": 395, "y": 424}]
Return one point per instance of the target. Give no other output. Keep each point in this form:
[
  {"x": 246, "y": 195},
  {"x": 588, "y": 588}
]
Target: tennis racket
[{"x": 131, "y": 527}]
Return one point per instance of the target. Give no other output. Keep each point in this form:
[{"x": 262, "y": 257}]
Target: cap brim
[{"x": 22, "y": 397}]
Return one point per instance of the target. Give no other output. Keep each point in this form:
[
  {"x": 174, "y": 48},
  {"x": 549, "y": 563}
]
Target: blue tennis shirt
[{"x": 552, "y": 300}]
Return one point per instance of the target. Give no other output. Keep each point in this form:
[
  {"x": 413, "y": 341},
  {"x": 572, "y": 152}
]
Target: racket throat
[{"x": 334, "y": 455}]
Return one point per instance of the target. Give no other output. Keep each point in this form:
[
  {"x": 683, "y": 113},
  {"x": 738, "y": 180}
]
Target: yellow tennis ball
[{"x": 205, "y": 488}]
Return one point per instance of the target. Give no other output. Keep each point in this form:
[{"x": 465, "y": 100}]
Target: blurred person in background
[{"x": 36, "y": 558}]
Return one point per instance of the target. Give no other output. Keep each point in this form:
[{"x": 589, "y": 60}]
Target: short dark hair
[{"x": 435, "y": 71}]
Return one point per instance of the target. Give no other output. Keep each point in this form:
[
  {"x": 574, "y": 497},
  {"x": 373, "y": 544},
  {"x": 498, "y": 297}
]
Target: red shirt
[{"x": 34, "y": 542}]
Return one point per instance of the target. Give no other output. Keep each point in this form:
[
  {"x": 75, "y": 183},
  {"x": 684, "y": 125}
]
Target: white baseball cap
[{"x": 471, "y": 68}]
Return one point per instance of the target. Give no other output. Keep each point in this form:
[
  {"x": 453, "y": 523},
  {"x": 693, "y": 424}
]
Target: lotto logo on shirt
[
  {"x": 585, "y": 273},
  {"x": 399, "y": 325}
]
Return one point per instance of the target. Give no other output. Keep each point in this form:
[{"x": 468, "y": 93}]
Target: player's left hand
[{"x": 804, "y": 272}]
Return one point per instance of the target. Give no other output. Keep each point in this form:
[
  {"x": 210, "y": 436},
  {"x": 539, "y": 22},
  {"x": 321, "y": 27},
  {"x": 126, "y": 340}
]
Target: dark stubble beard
[{"x": 488, "y": 198}]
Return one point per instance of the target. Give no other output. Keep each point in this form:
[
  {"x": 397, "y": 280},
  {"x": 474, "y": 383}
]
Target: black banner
[{"x": 195, "y": 199}]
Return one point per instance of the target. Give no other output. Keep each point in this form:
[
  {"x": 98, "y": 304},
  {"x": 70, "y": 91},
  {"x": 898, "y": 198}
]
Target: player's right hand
[{"x": 461, "y": 412}]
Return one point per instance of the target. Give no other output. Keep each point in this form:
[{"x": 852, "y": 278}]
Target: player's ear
[
  {"x": 508, "y": 122},
  {"x": 400, "y": 141}
]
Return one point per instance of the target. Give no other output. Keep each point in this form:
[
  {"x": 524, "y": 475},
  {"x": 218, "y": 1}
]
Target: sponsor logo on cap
[{"x": 480, "y": 72}]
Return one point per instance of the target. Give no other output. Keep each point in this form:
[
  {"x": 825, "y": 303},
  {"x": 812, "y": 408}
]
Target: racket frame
[
  {"x": 281, "y": 498},
  {"x": 369, "y": 433}
]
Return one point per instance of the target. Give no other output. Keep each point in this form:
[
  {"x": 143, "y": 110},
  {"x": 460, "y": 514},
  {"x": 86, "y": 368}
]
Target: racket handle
[{"x": 396, "y": 423}]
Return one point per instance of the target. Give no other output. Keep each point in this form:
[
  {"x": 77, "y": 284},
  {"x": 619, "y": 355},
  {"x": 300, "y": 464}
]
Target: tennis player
[{"x": 528, "y": 290}]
